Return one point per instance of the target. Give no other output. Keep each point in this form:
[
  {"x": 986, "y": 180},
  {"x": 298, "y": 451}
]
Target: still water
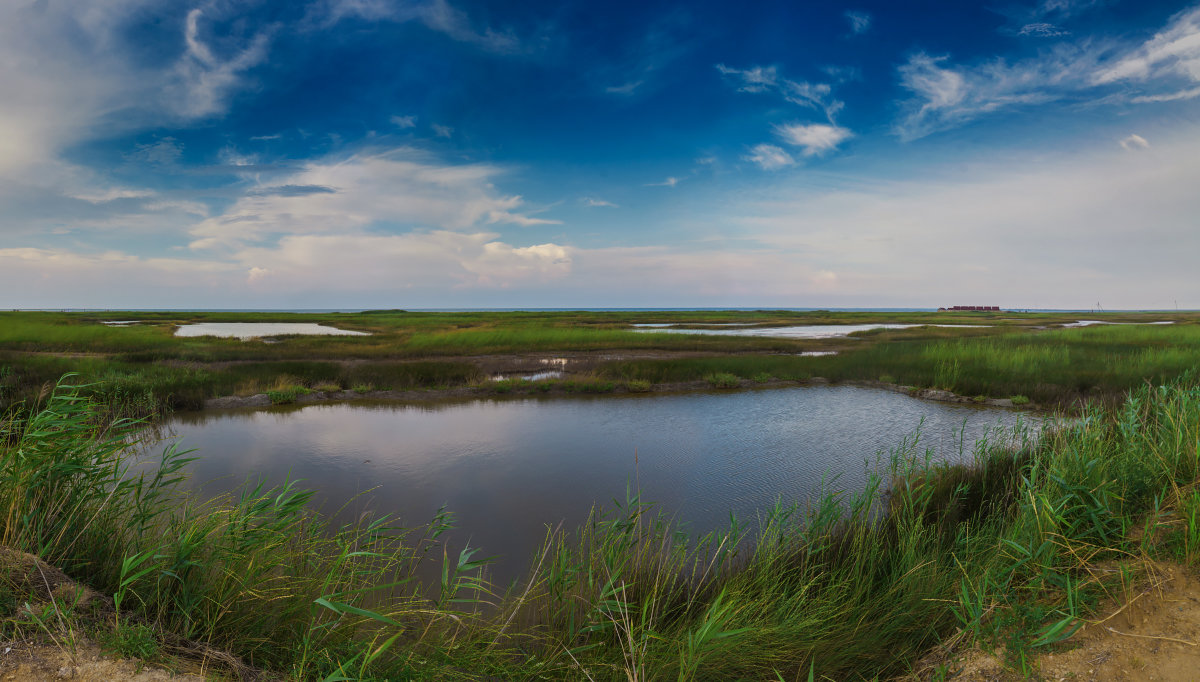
[
  {"x": 509, "y": 467},
  {"x": 808, "y": 331},
  {"x": 252, "y": 330}
]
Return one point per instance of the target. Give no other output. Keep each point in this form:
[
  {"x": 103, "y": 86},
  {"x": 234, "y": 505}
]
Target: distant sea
[{"x": 590, "y": 310}]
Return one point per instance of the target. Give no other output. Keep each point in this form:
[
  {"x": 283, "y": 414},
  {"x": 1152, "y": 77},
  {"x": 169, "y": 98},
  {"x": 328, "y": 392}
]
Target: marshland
[{"x": 683, "y": 506}]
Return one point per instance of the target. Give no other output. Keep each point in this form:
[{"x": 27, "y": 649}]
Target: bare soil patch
[{"x": 1155, "y": 635}]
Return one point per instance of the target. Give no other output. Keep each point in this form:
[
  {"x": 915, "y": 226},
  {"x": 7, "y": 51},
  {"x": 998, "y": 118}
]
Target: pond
[
  {"x": 509, "y": 467},
  {"x": 808, "y": 331},
  {"x": 253, "y": 330}
]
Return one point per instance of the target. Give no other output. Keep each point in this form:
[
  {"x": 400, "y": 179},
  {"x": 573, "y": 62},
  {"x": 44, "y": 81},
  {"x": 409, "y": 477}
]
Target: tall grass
[
  {"x": 1015, "y": 549},
  {"x": 1058, "y": 366}
]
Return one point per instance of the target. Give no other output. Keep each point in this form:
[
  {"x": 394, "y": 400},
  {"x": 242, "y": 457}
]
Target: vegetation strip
[{"x": 142, "y": 370}]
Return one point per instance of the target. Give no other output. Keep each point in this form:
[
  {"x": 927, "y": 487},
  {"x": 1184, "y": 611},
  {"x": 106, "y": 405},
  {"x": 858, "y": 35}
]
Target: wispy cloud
[
  {"x": 769, "y": 157},
  {"x": 1041, "y": 29},
  {"x": 815, "y": 139},
  {"x": 946, "y": 95},
  {"x": 1134, "y": 142},
  {"x": 626, "y": 89},
  {"x": 1189, "y": 93},
  {"x": 437, "y": 15},
  {"x": 592, "y": 202},
  {"x": 1065, "y": 8},
  {"x": 441, "y": 130},
  {"x": 1175, "y": 51},
  {"x": 401, "y": 187},
  {"x": 291, "y": 190},
  {"x": 162, "y": 152},
  {"x": 205, "y": 81},
  {"x": 403, "y": 122},
  {"x": 753, "y": 79},
  {"x": 669, "y": 182},
  {"x": 760, "y": 79},
  {"x": 860, "y": 22}
]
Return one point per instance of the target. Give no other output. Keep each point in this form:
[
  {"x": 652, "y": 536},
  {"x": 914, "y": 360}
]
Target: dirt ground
[
  {"x": 65, "y": 653},
  {"x": 1153, "y": 636},
  {"x": 27, "y": 662}
]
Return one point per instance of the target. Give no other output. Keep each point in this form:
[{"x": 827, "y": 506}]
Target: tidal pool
[
  {"x": 508, "y": 468},
  {"x": 251, "y": 330},
  {"x": 808, "y": 331}
]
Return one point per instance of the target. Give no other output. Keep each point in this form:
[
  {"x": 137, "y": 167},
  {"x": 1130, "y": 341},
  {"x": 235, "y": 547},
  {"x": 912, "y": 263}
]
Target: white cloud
[
  {"x": 441, "y": 130},
  {"x": 946, "y": 96},
  {"x": 592, "y": 202},
  {"x": 204, "y": 82},
  {"x": 404, "y": 121},
  {"x": 860, "y": 22},
  {"x": 1134, "y": 142},
  {"x": 1173, "y": 51},
  {"x": 753, "y": 79},
  {"x": 1065, "y": 8},
  {"x": 1041, "y": 29},
  {"x": 68, "y": 74},
  {"x": 626, "y": 89},
  {"x": 759, "y": 79},
  {"x": 769, "y": 157},
  {"x": 1190, "y": 93},
  {"x": 335, "y": 267},
  {"x": 401, "y": 187},
  {"x": 669, "y": 182},
  {"x": 437, "y": 15},
  {"x": 103, "y": 196},
  {"x": 1063, "y": 233},
  {"x": 816, "y": 139},
  {"x": 415, "y": 260}
]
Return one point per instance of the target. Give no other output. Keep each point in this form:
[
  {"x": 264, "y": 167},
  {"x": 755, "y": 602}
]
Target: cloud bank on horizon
[{"x": 459, "y": 153}]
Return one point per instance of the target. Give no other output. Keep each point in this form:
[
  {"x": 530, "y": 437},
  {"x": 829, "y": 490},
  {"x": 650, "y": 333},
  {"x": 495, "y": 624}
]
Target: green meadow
[{"x": 144, "y": 370}]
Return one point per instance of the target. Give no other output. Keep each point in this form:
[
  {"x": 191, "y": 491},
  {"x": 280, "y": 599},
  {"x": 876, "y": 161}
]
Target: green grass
[
  {"x": 1056, "y": 366},
  {"x": 144, "y": 370},
  {"x": 855, "y": 585},
  {"x": 723, "y": 380}
]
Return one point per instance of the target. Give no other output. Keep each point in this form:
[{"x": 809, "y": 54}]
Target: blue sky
[{"x": 383, "y": 153}]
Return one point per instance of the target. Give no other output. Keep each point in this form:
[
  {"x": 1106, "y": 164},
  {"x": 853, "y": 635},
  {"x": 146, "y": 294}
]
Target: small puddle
[
  {"x": 812, "y": 331},
  {"x": 1088, "y": 323},
  {"x": 816, "y": 353},
  {"x": 535, "y": 376}
]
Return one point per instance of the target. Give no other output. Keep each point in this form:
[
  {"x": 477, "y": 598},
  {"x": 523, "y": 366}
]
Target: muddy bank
[{"x": 569, "y": 389}]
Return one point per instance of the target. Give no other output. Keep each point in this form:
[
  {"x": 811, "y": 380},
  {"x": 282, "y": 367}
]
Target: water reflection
[
  {"x": 251, "y": 330},
  {"x": 507, "y": 468},
  {"x": 808, "y": 331}
]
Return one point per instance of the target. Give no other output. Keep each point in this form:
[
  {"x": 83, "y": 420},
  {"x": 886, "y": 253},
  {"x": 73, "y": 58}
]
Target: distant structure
[{"x": 971, "y": 308}]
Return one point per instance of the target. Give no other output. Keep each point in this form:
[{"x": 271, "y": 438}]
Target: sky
[{"x": 461, "y": 153}]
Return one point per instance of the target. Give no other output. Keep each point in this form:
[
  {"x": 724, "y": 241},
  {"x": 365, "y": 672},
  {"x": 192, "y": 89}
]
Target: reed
[{"x": 859, "y": 584}]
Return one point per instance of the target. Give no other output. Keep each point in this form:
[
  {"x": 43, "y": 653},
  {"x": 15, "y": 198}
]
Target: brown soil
[
  {"x": 62, "y": 650},
  {"x": 23, "y": 661},
  {"x": 1153, "y": 636}
]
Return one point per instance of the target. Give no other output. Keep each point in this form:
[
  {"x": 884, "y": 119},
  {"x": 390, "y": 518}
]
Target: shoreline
[{"x": 259, "y": 400}]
